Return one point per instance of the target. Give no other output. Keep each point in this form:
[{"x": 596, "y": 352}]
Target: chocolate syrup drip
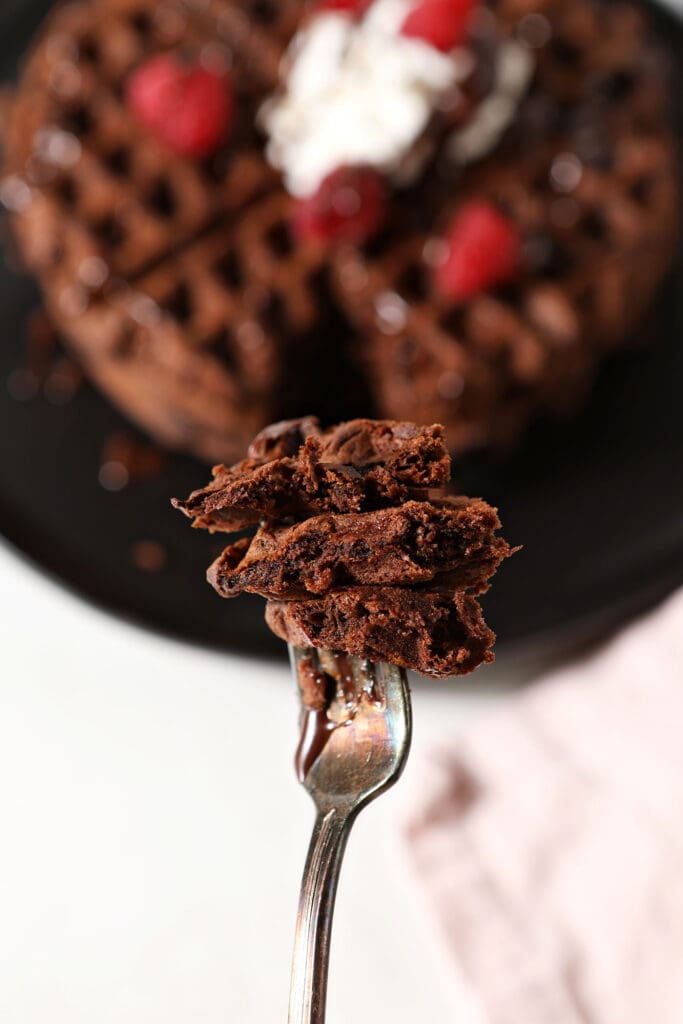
[
  {"x": 316, "y": 730},
  {"x": 317, "y": 693},
  {"x": 331, "y": 699}
]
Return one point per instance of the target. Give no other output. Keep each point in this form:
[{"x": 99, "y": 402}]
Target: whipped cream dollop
[
  {"x": 358, "y": 92},
  {"x": 514, "y": 69}
]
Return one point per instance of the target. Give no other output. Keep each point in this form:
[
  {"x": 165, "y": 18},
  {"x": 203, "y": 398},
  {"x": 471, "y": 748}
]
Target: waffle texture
[
  {"x": 393, "y": 577},
  {"x": 179, "y": 284}
]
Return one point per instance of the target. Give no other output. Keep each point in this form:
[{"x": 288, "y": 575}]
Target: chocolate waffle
[
  {"x": 103, "y": 184},
  {"x": 435, "y": 633},
  {"x": 352, "y": 552},
  {"x": 293, "y": 468},
  {"x": 118, "y": 228},
  {"x": 451, "y": 541},
  {"x": 260, "y": 30},
  {"x": 189, "y": 302},
  {"x": 588, "y": 171}
]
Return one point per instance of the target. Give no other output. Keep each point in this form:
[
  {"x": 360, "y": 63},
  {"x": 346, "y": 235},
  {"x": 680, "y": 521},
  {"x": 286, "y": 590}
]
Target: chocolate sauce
[
  {"x": 331, "y": 700},
  {"x": 354, "y": 685},
  {"x": 316, "y": 730},
  {"x": 318, "y": 691}
]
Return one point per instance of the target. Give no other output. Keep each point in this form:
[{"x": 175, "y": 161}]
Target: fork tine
[{"x": 395, "y": 692}]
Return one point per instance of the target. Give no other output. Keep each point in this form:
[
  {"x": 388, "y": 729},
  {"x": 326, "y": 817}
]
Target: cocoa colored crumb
[{"x": 149, "y": 555}]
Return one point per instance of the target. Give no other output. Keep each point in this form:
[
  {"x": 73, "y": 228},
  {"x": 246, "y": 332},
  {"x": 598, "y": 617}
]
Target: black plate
[{"x": 597, "y": 502}]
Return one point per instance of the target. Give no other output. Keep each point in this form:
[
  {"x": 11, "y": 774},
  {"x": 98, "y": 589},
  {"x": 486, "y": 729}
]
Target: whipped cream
[
  {"x": 514, "y": 69},
  {"x": 358, "y": 92}
]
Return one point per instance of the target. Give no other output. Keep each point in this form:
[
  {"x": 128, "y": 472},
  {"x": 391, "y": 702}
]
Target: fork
[{"x": 354, "y": 745}]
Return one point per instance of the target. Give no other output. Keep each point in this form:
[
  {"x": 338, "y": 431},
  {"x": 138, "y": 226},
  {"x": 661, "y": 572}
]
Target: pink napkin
[{"x": 550, "y": 842}]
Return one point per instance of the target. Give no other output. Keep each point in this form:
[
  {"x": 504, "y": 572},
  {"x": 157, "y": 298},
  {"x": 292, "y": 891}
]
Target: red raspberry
[
  {"x": 187, "y": 107},
  {"x": 484, "y": 250},
  {"x": 348, "y": 206},
  {"x": 354, "y": 8},
  {"x": 440, "y": 23}
]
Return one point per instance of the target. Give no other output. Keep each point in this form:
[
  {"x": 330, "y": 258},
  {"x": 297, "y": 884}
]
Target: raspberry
[
  {"x": 440, "y": 23},
  {"x": 484, "y": 250},
  {"x": 354, "y": 8},
  {"x": 348, "y": 206},
  {"x": 187, "y": 107}
]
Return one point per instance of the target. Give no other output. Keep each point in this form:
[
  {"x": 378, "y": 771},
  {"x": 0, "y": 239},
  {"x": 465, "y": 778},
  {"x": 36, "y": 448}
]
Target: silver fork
[{"x": 352, "y": 749}]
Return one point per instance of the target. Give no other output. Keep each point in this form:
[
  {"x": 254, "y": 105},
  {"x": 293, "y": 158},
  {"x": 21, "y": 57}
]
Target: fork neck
[{"x": 310, "y": 964}]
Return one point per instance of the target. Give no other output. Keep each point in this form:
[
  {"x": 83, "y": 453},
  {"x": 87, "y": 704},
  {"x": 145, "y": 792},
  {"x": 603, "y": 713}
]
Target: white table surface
[{"x": 152, "y": 833}]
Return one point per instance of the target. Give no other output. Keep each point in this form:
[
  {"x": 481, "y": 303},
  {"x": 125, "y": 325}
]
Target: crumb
[{"x": 149, "y": 555}]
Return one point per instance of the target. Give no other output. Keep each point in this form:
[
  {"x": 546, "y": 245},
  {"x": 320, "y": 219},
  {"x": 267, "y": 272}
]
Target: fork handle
[{"x": 308, "y": 991}]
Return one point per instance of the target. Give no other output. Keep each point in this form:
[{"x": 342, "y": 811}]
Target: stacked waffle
[
  {"x": 187, "y": 297},
  {"x": 352, "y": 552}
]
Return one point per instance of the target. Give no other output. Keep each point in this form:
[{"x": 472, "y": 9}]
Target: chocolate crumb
[
  {"x": 314, "y": 686},
  {"x": 149, "y": 555}
]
